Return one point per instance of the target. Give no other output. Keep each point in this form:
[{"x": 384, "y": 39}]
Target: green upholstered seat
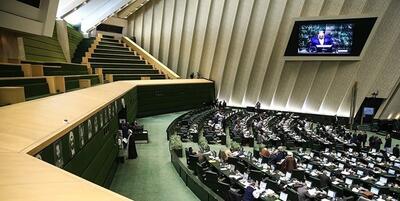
[
  {"x": 115, "y": 56},
  {"x": 11, "y": 70},
  {"x": 117, "y": 77},
  {"x": 121, "y": 65},
  {"x": 117, "y": 60},
  {"x": 33, "y": 87},
  {"x": 129, "y": 71}
]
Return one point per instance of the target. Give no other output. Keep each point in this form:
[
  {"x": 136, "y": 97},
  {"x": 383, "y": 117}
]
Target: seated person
[
  {"x": 264, "y": 154},
  {"x": 325, "y": 181},
  {"x": 251, "y": 193},
  {"x": 396, "y": 151},
  {"x": 289, "y": 164},
  {"x": 224, "y": 155},
  {"x": 278, "y": 155},
  {"x": 191, "y": 152}
]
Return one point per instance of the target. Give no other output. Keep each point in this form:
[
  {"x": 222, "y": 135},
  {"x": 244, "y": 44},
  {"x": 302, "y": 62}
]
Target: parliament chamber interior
[{"x": 211, "y": 100}]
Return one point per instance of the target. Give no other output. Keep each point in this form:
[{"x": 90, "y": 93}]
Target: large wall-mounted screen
[{"x": 332, "y": 37}]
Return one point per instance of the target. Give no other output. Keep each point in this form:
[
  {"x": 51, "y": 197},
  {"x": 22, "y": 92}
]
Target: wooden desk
[
  {"x": 28, "y": 127},
  {"x": 24, "y": 177}
]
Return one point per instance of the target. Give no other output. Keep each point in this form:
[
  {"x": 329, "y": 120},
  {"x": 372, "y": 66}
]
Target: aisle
[{"x": 151, "y": 176}]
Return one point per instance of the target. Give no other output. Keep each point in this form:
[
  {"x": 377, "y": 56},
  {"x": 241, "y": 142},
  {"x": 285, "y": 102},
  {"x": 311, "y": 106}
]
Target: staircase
[
  {"x": 81, "y": 50},
  {"x": 115, "y": 60}
]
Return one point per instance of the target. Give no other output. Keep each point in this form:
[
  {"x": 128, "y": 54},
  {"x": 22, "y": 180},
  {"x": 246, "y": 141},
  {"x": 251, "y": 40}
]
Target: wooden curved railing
[{"x": 28, "y": 127}]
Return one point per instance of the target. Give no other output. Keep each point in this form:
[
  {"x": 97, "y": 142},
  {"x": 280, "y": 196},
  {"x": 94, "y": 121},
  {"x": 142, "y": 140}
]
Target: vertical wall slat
[
  {"x": 235, "y": 48},
  {"x": 250, "y": 48},
  {"x": 187, "y": 37}
]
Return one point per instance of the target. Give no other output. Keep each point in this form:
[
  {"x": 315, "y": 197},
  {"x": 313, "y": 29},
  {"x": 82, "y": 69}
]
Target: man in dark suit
[
  {"x": 321, "y": 39},
  {"x": 325, "y": 181},
  {"x": 396, "y": 151}
]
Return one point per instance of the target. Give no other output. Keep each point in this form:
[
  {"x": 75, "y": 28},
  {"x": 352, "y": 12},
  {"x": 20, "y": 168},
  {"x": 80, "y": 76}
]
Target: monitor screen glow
[
  {"x": 329, "y": 37},
  {"x": 283, "y": 196},
  {"x": 348, "y": 181},
  {"x": 374, "y": 190},
  {"x": 383, "y": 180},
  {"x": 369, "y": 111},
  {"x": 371, "y": 165},
  {"x": 341, "y": 165},
  {"x": 331, "y": 194},
  {"x": 309, "y": 166}
]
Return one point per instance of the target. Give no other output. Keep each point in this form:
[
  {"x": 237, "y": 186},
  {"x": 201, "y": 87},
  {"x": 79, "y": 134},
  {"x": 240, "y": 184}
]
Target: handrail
[{"x": 152, "y": 60}]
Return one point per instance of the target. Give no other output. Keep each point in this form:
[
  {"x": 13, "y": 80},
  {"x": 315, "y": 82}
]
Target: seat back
[
  {"x": 292, "y": 194},
  {"x": 211, "y": 180},
  {"x": 338, "y": 190},
  {"x": 241, "y": 167},
  {"x": 349, "y": 194},
  {"x": 298, "y": 174},
  {"x": 315, "y": 182},
  {"x": 273, "y": 185},
  {"x": 223, "y": 190},
  {"x": 192, "y": 161},
  {"x": 200, "y": 171},
  {"x": 235, "y": 195},
  {"x": 256, "y": 175}
]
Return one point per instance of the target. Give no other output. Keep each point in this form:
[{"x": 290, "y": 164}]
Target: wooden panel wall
[
  {"x": 240, "y": 45},
  {"x": 42, "y": 48},
  {"x": 8, "y": 46}
]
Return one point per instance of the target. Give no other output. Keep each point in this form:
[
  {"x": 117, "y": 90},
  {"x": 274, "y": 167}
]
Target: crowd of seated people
[
  {"x": 191, "y": 124},
  {"x": 341, "y": 167},
  {"x": 240, "y": 130},
  {"x": 214, "y": 128}
]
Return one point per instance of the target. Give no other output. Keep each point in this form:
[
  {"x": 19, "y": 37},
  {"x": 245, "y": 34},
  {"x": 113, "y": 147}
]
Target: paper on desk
[
  {"x": 234, "y": 176},
  {"x": 312, "y": 191}
]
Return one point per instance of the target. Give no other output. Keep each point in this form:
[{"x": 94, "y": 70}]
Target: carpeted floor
[{"x": 151, "y": 177}]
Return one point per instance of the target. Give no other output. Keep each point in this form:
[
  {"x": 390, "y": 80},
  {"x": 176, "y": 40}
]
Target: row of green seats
[
  {"x": 33, "y": 87},
  {"x": 158, "y": 99},
  {"x": 11, "y": 70},
  {"x": 60, "y": 68},
  {"x": 117, "y": 77},
  {"x": 72, "y": 82}
]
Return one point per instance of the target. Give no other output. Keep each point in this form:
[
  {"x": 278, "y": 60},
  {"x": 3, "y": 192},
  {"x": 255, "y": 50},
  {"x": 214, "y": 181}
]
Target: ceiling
[{"x": 90, "y": 13}]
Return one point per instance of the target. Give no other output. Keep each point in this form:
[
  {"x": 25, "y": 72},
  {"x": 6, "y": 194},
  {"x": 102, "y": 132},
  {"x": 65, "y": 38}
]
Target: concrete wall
[{"x": 240, "y": 45}]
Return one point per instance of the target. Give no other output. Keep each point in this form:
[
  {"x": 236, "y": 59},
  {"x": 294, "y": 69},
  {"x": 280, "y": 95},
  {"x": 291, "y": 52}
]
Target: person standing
[
  {"x": 364, "y": 138},
  {"x": 378, "y": 143},
  {"x": 396, "y": 151},
  {"x": 371, "y": 142},
  {"x": 388, "y": 143}
]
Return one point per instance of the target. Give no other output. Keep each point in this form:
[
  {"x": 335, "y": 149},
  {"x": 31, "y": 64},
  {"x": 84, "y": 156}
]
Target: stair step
[
  {"x": 112, "y": 60},
  {"x": 110, "y": 40},
  {"x": 111, "y": 43},
  {"x": 137, "y": 77},
  {"x": 108, "y": 36},
  {"x": 113, "y": 51},
  {"x": 112, "y": 47},
  {"x": 120, "y": 65},
  {"x": 115, "y": 56},
  {"x": 129, "y": 71}
]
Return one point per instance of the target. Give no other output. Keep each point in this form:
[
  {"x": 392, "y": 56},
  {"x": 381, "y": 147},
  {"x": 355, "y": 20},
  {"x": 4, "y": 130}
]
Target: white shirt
[{"x": 321, "y": 41}]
